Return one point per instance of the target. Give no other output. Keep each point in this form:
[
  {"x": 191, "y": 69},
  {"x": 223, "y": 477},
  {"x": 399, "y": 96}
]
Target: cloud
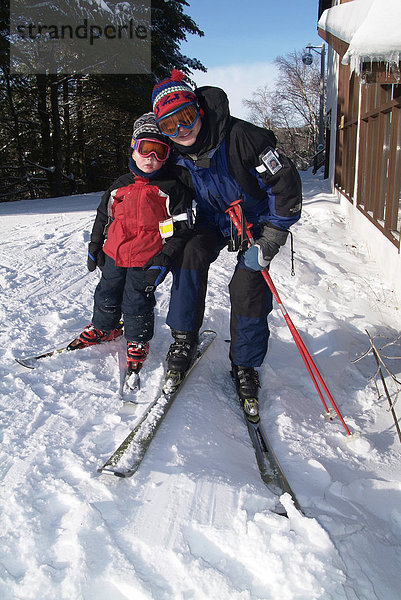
[{"x": 239, "y": 81}]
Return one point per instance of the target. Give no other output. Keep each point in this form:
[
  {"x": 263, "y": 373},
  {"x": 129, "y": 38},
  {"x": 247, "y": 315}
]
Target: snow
[
  {"x": 195, "y": 522},
  {"x": 344, "y": 20},
  {"x": 371, "y": 27}
]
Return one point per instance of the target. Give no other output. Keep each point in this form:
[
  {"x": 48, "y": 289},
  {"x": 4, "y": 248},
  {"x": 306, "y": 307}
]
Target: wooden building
[{"x": 363, "y": 113}]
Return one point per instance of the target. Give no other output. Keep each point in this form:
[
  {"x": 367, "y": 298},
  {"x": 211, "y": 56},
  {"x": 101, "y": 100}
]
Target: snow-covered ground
[{"x": 195, "y": 521}]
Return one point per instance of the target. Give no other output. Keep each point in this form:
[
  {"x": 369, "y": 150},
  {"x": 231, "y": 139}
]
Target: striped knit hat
[
  {"x": 171, "y": 93},
  {"x": 145, "y": 127}
]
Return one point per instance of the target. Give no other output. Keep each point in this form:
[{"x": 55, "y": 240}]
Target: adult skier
[{"x": 225, "y": 159}]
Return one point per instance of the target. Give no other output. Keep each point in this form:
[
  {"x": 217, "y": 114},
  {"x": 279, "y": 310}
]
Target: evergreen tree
[{"x": 62, "y": 133}]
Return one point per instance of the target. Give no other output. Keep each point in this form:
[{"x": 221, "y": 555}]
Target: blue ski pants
[{"x": 251, "y": 299}]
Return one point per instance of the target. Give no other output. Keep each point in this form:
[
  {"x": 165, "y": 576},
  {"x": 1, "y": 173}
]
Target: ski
[
  {"x": 30, "y": 361},
  {"x": 125, "y": 461},
  {"x": 270, "y": 469}
]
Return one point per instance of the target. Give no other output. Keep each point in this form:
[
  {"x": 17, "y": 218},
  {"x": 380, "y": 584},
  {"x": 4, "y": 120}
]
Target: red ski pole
[{"x": 234, "y": 212}]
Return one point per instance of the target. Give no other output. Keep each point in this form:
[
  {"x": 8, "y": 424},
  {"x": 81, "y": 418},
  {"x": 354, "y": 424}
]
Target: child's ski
[
  {"x": 129, "y": 455},
  {"x": 30, "y": 361}
]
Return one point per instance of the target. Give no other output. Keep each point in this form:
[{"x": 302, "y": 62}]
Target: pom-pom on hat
[
  {"x": 171, "y": 93},
  {"x": 145, "y": 127}
]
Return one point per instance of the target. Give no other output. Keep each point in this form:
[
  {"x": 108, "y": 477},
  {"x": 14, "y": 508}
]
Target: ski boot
[
  {"x": 91, "y": 336},
  {"x": 179, "y": 358},
  {"x": 136, "y": 356},
  {"x": 247, "y": 383}
]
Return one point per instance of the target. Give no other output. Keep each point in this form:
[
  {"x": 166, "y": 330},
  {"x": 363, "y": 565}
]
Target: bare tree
[
  {"x": 259, "y": 107},
  {"x": 291, "y": 108}
]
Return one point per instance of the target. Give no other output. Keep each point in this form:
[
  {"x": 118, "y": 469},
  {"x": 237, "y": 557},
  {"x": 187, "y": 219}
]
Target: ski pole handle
[{"x": 236, "y": 217}]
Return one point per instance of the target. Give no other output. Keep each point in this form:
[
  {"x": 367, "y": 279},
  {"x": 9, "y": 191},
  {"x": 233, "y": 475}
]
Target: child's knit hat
[{"x": 145, "y": 127}]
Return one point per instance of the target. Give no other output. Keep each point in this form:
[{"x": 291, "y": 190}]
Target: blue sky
[{"x": 243, "y": 38}]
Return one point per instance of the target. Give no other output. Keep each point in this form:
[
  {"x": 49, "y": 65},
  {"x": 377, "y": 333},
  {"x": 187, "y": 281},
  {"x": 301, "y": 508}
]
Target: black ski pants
[{"x": 121, "y": 291}]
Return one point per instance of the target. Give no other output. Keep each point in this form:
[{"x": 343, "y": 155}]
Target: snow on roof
[{"x": 372, "y": 28}]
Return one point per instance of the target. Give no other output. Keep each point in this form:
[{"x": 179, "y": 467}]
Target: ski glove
[
  {"x": 95, "y": 256},
  {"x": 259, "y": 256},
  {"x": 156, "y": 269}
]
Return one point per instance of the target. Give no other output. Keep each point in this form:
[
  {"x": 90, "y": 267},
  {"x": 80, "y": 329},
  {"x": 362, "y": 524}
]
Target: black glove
[
  {"x": 95, "y": 256},
  {"x": 156, "y": 269},
  {"x": 259, "y": 256}
]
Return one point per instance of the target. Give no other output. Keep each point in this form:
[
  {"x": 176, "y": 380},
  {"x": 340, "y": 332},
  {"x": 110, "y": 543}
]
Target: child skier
[{"x": 142, "y": 223}]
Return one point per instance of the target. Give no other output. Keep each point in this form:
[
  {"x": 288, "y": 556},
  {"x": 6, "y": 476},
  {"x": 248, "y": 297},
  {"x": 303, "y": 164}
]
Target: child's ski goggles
[
  {"x": 146, "y": 146},
  {"x": 185, "y": 116}
]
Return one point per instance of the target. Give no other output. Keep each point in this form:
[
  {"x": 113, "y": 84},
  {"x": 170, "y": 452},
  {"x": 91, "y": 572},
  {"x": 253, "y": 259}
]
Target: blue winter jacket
[{"x": 222, "y": 167}]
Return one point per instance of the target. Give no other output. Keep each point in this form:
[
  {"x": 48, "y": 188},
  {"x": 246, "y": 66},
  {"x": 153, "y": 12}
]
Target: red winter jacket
[
  {"x": 129, "y": 214},
  {"x": 133, "y": 237}
]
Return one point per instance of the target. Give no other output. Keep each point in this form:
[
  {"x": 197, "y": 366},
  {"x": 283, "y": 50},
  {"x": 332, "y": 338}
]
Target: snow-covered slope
[{"x": 195, "y": 521}]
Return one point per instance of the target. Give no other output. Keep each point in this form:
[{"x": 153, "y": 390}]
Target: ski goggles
[
  {"x": 146, "y": 146},
  {"x": 185, "y": 116}
]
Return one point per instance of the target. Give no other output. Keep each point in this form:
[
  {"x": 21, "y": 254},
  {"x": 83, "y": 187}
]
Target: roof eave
[
  {"x": 336, "y": 43},
  {"x": 371, "y": 72}
]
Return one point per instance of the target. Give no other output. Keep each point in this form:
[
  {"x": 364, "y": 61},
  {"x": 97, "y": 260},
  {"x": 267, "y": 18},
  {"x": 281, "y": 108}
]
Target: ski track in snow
[{"x": 195, "y": 522}]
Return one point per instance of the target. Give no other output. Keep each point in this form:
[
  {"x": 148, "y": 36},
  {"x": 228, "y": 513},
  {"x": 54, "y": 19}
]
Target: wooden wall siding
[
  {"x": 347, "y": 130},
  {"x": 379, "y": 166},
  {"x": 374, "y": 134},
  {"x": 379, "y": 169},
  {"x": 380, "y": 72},
  {"x": 393, "y": 177},
  {"x": 336, "y": 43}
]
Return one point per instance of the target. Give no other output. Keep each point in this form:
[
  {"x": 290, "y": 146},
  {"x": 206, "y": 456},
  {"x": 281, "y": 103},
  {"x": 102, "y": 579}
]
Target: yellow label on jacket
[{"x": 166, "y": 228}]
